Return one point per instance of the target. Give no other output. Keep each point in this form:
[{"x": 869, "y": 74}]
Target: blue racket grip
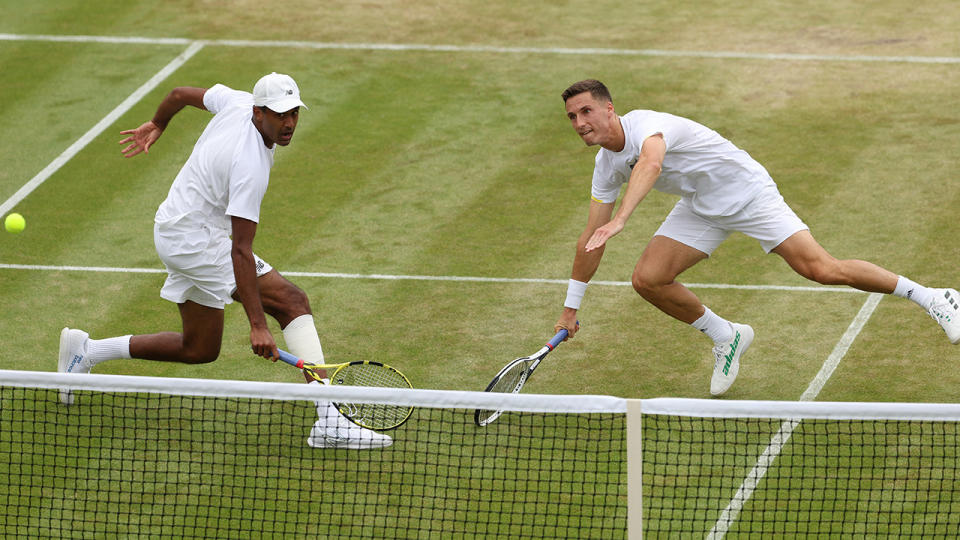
[
  {"x": 561, "y": 335},
  {"x": 290, "y": 359}
]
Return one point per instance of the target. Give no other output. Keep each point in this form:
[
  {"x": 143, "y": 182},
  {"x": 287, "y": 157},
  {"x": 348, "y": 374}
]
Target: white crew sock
[
  {"x": 99, "y": 350},
  {"x": 302, "y": 339},
  {"x": 906, "y": 288},
  {"x": 323, "y": 406},
  {"x": 714, "y": 326}
]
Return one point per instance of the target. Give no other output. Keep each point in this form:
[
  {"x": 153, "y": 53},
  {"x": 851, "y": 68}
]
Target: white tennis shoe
[
  {"x": 945, "y": 309},
  {"x": 333, "y": 430},
  {"x": 726, "y": 364},
  {"x": 73, "y": 347}
]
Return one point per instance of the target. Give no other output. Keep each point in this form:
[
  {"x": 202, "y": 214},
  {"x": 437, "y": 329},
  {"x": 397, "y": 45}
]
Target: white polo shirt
[
  {"x": 227, "y": 172},
  {"x": 717, "y": 177}
]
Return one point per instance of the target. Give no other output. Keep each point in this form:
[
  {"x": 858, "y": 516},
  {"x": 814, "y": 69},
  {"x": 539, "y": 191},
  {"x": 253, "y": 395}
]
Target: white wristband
[{"x": 575, "y": 290}]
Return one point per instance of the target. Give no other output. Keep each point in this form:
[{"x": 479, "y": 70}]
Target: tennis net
[
  {"x": 755, "y": 469},
  {"x": 143, "y": 457}
]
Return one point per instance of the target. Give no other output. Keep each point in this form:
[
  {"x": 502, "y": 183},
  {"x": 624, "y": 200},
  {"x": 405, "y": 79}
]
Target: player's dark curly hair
[{"x": 596, "y": 88}]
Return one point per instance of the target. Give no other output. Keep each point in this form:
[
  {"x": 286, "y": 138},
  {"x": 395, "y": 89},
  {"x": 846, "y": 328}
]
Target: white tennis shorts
[
  {"x": 199, "y": 266},
  {"x": 766, "y": 218}
]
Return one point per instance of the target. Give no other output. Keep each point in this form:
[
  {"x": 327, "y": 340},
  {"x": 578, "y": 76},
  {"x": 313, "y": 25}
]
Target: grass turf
[{"x": 461, "y": 163}]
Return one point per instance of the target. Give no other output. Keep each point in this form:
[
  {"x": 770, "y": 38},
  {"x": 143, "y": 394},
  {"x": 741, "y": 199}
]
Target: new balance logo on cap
[{"x": 277, "y": 92}]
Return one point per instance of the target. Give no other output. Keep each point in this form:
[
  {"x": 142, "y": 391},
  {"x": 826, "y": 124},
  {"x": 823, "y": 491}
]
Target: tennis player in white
[
  {"x": 722, "y": 190},
  {"x": 204, "y": 233}
]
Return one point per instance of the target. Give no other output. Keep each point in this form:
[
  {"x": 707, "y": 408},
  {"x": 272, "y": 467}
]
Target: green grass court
[
  {"x": 460, "y": 163},
  {"x": 454, "y": 158}
]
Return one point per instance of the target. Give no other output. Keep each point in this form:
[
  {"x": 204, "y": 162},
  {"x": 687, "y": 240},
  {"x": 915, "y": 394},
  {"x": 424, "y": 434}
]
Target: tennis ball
[{"x": 14, "y": 223}]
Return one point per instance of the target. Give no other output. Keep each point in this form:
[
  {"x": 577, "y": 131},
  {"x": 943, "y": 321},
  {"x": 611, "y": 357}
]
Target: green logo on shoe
[{"x": 729, "y": 356}]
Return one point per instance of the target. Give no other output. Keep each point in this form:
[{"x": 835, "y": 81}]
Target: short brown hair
[{"x": 596, "y": 88}]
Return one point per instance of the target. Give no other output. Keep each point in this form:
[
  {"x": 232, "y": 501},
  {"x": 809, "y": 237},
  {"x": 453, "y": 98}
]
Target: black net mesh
[
  {"x": 140, "y": 465},
  {"x": 769, "y": 478}
]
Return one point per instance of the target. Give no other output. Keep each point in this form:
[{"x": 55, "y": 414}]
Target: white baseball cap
[{"x": 277, "y": 92}]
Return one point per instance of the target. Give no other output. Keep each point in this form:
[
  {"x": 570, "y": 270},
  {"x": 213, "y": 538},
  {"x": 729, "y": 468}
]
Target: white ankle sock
[
  {"x": 113, "y": 348},
  {"x": 714, "y": 326},
  {"x": 906, "y": 288}
]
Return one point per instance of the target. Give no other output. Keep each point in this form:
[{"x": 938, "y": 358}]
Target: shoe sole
[
  {"x": 955, "y": 339},
  {"x": 746, "y": 335},
  {"x": 66, "y": 396},
  {"x": 348, "y": 444},
  {"x": 63, "y": 362}
]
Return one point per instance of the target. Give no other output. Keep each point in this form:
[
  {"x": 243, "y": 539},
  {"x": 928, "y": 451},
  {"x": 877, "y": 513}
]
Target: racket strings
[
  {"x": 509, "y": 382},
  {"x": 363, "y": 374},
  {"x": 373, "y": 415},
  {"x": 512, "y": 379}
]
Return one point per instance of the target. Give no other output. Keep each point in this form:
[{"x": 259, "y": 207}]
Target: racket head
[
  {"x": 509, "y": 381},
  {"x": 375, "y": 416}
]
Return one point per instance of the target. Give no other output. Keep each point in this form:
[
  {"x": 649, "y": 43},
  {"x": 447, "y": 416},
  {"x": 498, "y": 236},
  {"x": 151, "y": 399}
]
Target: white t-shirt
[
  {"x": 699, "y": 164},
  {"x": 226, "y": 174}
]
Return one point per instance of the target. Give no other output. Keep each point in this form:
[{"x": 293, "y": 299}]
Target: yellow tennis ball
[{"x": 14, "y": 223}]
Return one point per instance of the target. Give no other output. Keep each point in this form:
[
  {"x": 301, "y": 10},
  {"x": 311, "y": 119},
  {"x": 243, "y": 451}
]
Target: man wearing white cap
[{"x": 204, "y": 233}]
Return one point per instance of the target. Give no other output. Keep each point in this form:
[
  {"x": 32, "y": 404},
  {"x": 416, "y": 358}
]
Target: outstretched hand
[
  {"x": 140, "y": 139},
  {"x": 602, "y": 234}
]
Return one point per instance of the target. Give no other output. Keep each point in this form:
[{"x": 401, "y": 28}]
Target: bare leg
[
  {"x": 654, "y": 278},
  {"x": 281, "y": 299},
  {"x": 287, "y": 303},
  {"x": 199, "y": 343},
  {"x": 809, "y": 259}
]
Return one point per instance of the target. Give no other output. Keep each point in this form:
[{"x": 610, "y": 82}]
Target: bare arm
[
  {"x": 143, "y": 137},
  {"x": 585, "y": 263},
  {"x": 642, "y": 178},
  {"x": 245, "y": 273}
]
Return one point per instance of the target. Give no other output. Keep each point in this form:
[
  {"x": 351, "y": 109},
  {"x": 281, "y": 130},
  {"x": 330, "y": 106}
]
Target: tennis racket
[
  {"x": 513, "y": 376},
  {"x": 375, "y": 416}
]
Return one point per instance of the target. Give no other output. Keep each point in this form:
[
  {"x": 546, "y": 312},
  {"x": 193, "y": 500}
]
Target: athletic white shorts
[
  {"x": 766, "y": 218},
  {"x": 199, "y": 267}
]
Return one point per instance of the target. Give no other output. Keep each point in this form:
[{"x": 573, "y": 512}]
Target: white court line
[
  {"x": 749, "y": 485},
  {"x": 193, "y": 46},
  {"x": 746, "y": 489},
  {"x": 99, "y": 128},
  {"x": 396, "y": 277},
  {"x": 97, "y": 39},
  {"x": 489, "y": 49}
]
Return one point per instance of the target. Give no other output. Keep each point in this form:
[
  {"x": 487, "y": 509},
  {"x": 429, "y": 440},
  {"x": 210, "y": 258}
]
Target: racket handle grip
[
  {"x": 555, "y": 340},
  {"x": 561, "y": 335},
  {"x": 291, "y": 359}
]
